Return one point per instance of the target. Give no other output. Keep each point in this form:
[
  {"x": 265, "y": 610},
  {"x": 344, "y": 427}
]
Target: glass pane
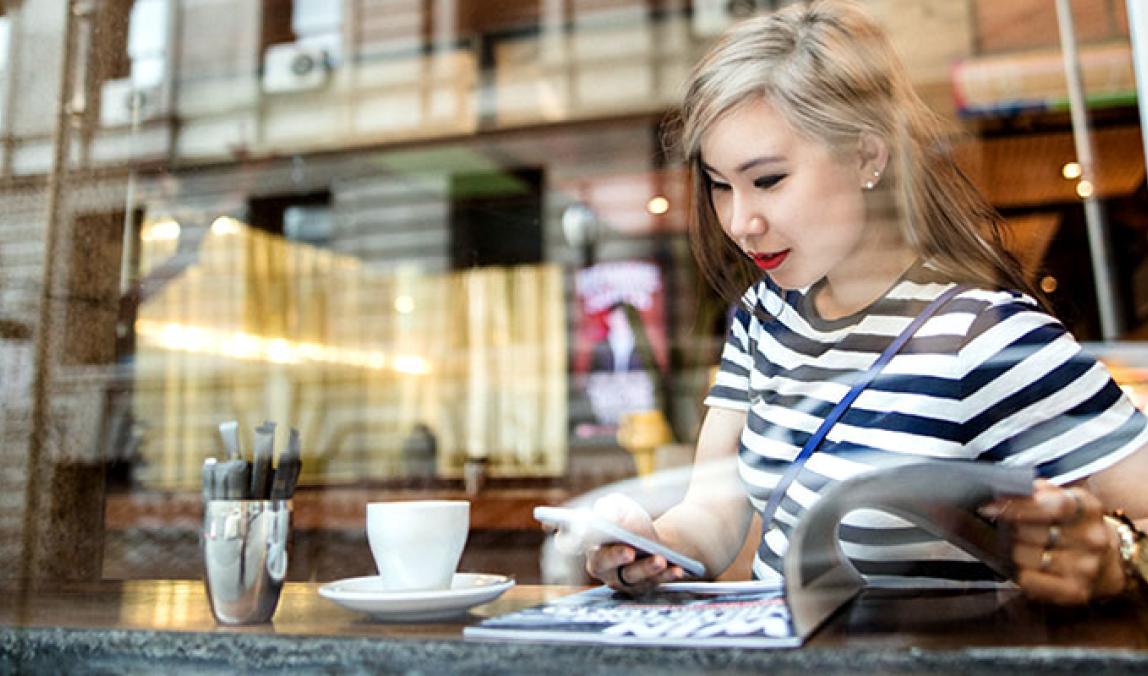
[{"x": 442, "y": 239}]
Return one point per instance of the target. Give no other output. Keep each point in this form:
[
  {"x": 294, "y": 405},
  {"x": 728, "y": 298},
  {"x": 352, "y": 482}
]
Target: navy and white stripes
[{"x": 989, "y": 377}]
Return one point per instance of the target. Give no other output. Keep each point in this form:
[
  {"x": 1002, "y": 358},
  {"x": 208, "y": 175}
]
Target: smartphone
[{"x": 608, "y": 531}]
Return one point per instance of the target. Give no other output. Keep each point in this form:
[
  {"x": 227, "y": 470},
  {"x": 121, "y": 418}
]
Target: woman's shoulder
[
  {"x": 984, "y": 315},
  {"x": 929, "y": 282},
  {"x": 1001, "y": 302}
]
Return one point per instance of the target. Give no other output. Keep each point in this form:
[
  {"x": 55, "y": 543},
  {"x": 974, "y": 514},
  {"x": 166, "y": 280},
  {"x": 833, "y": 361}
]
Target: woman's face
[{"x": 791, "y": 204}]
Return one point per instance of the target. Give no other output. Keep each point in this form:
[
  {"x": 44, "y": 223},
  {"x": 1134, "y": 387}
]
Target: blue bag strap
[{"x": 814, "y": 441}]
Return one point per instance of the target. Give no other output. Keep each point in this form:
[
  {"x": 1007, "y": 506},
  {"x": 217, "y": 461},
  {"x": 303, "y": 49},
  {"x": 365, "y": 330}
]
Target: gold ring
[
  {"x": 1053, "y": 536},
  {"x": 1045, "y": 560}
]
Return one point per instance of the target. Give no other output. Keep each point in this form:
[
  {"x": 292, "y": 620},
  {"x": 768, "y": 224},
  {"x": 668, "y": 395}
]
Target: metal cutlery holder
[{"x": 244, "y": 546}]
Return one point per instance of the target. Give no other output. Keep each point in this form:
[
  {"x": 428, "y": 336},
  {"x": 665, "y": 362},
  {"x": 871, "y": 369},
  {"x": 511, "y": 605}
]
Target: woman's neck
[{"x": 844, "y": 293}]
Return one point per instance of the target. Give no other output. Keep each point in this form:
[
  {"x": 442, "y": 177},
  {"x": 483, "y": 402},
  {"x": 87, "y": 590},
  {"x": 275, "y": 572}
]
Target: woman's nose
[{"x": 745, "y": 220}]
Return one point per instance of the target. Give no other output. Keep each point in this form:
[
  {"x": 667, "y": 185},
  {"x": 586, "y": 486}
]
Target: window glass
[{"x": 443, "y": 240}]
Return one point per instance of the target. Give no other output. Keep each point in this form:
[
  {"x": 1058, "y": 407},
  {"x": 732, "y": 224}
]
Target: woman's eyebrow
[
  {"x": 747, "y": 165},
  {"x": 751, "y": 163}
]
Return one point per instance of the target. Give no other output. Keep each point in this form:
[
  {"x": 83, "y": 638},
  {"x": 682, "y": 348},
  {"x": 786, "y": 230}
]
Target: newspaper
[{"x": 938, "y": 496}]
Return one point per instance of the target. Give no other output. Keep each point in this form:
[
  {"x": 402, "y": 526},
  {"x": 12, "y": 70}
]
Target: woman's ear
[{"x": 873, "y": 157}]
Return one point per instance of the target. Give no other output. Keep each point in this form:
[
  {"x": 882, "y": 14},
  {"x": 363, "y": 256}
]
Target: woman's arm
[
  {"x": 1030, "y": 391},
  {"x": 1121, "y": 486},
  {"x": 709, "y": 524},
  {"x": 1065, "y": 551}
]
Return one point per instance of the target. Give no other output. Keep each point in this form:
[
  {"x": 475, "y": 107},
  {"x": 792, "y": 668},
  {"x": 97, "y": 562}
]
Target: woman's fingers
[
  {"x": 1062, "y": 548},
  {"x": 1068, "y": 563},
  {"x": 670, "y": 574},
  {"x": 642, "y": 573},
  {"x": 646, "y": 573},
  {"x": 1065, "y": 591},
  {"x": 1091, "y": 535},
  {"x": 1047, "y": 504},
  {"x": 602, "y": 562},
  {"x": 618, "y": 567},
  {"x": 1060, "y": 576},
  {"x": 626, "y": 512}
]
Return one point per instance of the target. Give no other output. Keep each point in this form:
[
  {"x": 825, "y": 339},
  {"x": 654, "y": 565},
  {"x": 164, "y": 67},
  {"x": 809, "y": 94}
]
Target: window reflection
[
  {"x": 377, "y": 221},
  {"x": 262, "y": 326}
]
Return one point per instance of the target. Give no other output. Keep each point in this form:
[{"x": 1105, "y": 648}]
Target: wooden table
[{"x": 167, "y": 624}]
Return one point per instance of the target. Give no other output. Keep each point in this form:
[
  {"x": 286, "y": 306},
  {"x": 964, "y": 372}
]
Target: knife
[
  {"x": 287, "y": 472},
  {"x": 236, "y": 479},
  {"x": 261, "y": 472},
  {"x": 209, "y": 466},
  {"x": 230, "y": 432}
]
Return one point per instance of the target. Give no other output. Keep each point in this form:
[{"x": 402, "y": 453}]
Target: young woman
[{"x": 828, "y": 206}]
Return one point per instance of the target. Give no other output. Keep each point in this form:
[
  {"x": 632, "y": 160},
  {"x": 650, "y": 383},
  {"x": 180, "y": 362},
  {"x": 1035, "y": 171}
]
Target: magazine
[
  {"x": 939, "y": 496},
  {"x": 745, "y": 614}
]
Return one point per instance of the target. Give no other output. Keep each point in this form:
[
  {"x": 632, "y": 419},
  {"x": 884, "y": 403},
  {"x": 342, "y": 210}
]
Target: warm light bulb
[
  {"x": 1084, "y": 188},
  {"x": 658, "y": 205},
  {"x": 161, "y": 231},
  {"x": 225, "y": 225},
  {"x": 404, "y": 305},
  {"x": 1071, "y": 170}
]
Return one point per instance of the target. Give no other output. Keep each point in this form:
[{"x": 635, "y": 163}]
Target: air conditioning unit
[
  {"x": 292, "y": 67},
  {"x": 122, "y": 102},
  {"x": 711, "y": 17}
]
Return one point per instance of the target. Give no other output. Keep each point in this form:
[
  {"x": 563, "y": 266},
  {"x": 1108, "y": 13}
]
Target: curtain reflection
[{"x": 261, "y": 327}]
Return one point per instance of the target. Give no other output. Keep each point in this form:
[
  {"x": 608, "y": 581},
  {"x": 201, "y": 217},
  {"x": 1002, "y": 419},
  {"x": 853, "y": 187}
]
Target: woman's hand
[
  {"x": 618, "y": 565},
  {"x": 1064, "y": 551}
]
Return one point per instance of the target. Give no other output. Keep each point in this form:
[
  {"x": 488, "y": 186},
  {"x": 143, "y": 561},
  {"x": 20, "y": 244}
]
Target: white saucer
[{"x": 366, "y": 594}]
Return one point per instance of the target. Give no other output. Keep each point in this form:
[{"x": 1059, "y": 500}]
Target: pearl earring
[{"x": 869, "y": 185}]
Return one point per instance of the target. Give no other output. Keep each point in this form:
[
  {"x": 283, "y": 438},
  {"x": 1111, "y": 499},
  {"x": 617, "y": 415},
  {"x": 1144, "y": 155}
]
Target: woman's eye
[
  {"x": 718, "y": 187},
  {"x": 768, "y": 181}
]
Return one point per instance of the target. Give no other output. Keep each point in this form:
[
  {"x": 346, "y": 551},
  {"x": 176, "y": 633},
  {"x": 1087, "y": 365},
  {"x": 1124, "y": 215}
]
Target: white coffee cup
[{"x": 417, "y": 543}]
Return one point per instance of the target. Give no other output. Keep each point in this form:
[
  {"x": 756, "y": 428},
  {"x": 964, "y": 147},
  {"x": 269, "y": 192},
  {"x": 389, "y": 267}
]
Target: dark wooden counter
[
  {"x": 340, "y": 508},
  {"x": 166, "y": 626}
]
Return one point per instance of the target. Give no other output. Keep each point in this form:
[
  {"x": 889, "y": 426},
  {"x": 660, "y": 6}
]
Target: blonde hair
[{"x": 827, "y": 67}]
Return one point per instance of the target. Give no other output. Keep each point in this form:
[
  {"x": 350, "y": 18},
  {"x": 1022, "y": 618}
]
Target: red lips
[{"x": 769, "y": 261}]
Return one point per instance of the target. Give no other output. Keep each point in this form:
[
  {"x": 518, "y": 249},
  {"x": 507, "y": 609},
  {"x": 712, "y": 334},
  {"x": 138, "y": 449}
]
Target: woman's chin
[{"x": 790, "y": 280}]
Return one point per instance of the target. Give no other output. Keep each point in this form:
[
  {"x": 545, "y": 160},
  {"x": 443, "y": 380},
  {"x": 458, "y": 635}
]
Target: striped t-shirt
[{"x": 989, "y": 377}]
